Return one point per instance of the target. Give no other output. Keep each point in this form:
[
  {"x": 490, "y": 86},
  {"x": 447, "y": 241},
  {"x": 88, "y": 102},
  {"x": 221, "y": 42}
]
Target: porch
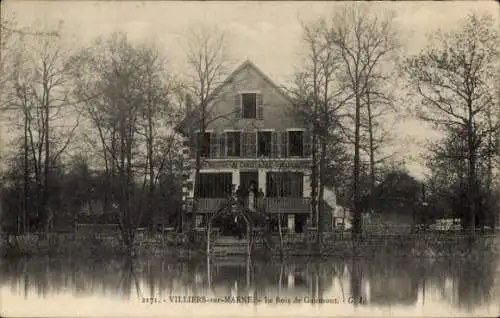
[{"x": 271, "y": 205}]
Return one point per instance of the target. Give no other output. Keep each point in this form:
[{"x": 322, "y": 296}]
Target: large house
[{"x": 252, "y": 139}]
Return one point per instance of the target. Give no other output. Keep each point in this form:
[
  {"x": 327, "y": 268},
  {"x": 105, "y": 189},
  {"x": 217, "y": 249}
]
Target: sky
[{"x": 268, "y": 33}]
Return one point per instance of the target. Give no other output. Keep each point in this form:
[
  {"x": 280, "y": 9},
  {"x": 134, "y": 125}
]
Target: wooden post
[
  {"x": 209, "y": 272},
  {"x": 248, "y": 238},
  {"x": 248, "y": 272},
  {"x": 208, "y": 236}
]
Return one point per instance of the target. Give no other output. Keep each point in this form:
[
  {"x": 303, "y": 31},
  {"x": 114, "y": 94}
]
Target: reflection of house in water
[
  {"x": 240, "y": 276},
  {"x": 458, "y": 285},
  {"x": 229, "y": 277}
]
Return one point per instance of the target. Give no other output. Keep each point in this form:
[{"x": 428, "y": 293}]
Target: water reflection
[{"x": 463, "y": 285}]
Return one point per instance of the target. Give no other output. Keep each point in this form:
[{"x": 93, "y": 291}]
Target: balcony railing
[
  {"x": 285, "y": 205},
  {"x": 209, "y": 205},
  {"x": 267, "y": 205}
]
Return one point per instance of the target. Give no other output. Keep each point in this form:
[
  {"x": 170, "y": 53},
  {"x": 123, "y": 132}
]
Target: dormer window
[{"x": 249, "y": 105}]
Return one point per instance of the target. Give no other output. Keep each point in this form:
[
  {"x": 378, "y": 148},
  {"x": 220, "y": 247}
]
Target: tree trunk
[
  {"x": 199, "y": 139},
  {"x": 472, "y": 184},
  {"x": 46, "y": 182},
  {"x": 150, "y": 141},
  {"x": 321, "y": 206},
  {"x": 356, "y": 224},
  {"x": 26, "y": 175},
  {"x": 279, "y": 223},
  {"x": 107, "y": 172},
  {"x": 491, "y": 151},
  {"x": 372, "y": 146},
  {"x": 124, "y": 207},
  {"x": 133, "y": 209},
  {"x": 489, "y": 177},
  {"x": 314, "y": 179}
]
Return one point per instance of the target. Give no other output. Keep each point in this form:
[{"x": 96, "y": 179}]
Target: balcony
[
  {"x": 268, "y": 205},
  {"x": 206, "y": 205},
  {"x": 285, "y": 205}
]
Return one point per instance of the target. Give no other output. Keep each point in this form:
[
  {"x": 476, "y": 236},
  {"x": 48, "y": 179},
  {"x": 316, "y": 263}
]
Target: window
[
  {"x": 295, "y": 143},
  {"x": 214, "y": 185},
  {"x": 249, "y": 105},
  {"x": 204, "y": 144},
  {"x": 234, "y": 144},
  {"x": 249, "y": 144},
  {"x": 264, "y": 143},
  {"x": 284, "y": 184}
]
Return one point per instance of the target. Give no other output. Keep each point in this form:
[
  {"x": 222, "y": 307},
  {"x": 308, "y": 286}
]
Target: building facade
[{"x": 253, "y": 143}]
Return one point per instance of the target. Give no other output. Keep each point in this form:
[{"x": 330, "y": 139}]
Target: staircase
[
  {"x": 223, "y": 245},
  {"x": 229, "y": 245}
]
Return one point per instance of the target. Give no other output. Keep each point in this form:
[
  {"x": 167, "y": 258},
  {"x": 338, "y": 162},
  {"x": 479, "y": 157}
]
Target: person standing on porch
[
  {"x": 232, "y": 190},
  {"x": 252, "y": 196},
  {"x": 240, "y": 195},
  {"x": 260, "y": 194},
  {"x": 260, "y": 203},
  {"x": 251, "y": 199},
  {"x": 231, "y": 194}
]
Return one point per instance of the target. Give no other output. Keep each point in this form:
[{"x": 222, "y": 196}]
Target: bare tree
[
  {"x": 127, "y": 89},
  {"x": 318, "y": 99},
  {"x": 7, "y": 44},
  {"x": 158, "y": 113},
  {"x": 363, "y": 42},
  {"x": 36, "y": 91},
  {"x": 12, "y": 39},
  {"x": 379, "y": 104},
  {"x": 452, "y": 77},
  {"x": 208, "y": 64}
]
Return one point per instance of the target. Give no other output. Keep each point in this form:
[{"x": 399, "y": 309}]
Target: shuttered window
[
  {"x": 233, "y": 143},
  {"x": 283, "y": 143},
  {"x": 264, "y": 143},
  {"x": 274, "y": 144},
  {"x": 296, "y": 143},
  {"x": 260, "y": 107},
  {"x": 222, "y": 145},
  {"x": 249, "y": 144},
  {"x": 214, "y": 145},
  {"x": 307, "y": 143},
  {"x": 249, "y": 105},
  {"x": 237, "y": 106}
]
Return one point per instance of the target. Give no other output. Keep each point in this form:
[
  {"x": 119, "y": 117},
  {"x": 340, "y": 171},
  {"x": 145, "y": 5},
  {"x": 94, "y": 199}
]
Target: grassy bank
[
  {"x": 429, "y": 245},
  {"x": 61, "y": 244}
]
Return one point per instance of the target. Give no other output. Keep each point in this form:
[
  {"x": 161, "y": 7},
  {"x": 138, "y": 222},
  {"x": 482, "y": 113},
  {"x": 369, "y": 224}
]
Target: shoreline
[{"x": 369, "y": 246}]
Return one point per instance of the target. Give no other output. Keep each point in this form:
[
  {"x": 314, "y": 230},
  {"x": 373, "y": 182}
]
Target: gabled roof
[
  {"x": 250, "y": 64},
  {"x": 191, "y": 117}
]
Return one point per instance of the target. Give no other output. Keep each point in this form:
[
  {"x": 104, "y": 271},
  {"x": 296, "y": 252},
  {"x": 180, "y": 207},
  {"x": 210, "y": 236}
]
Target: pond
[{"x": 240, "y": 286}]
